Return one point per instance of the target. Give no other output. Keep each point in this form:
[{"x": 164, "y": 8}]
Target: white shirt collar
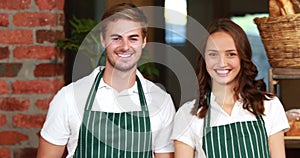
[{"x": 133, "y": 89}]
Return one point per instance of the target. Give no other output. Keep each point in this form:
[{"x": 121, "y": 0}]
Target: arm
[
  {"x": 183, "y": 150},
  {"x": 276, "y": 145},
  {"x": 164, "y": 155},
  {"x": 48, "y": 150}
]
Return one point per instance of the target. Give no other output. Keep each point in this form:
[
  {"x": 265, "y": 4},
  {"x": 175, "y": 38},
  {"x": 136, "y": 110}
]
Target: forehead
[
  {"x": 123, "y": 27},
  {"x": 220, "y": 40}
]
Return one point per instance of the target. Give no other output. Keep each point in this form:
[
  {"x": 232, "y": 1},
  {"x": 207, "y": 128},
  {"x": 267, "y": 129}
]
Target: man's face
[{"x": 124, "y": 43}]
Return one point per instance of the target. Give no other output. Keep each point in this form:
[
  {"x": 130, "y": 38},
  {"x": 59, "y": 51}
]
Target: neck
[
  {"x": 225, "y": 97},
  {"x": 119, "y": 80}
]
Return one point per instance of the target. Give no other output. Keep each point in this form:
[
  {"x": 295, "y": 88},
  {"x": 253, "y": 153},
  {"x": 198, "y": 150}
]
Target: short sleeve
[
  {"x": 184, "y": 125},
  {"x": 161, "y": 135},
  {"x": 55, "y": 129},
  {"x": 276, "y": 118}
]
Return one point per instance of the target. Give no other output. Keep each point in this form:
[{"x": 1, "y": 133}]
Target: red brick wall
[{"x": 31, "y": 71}]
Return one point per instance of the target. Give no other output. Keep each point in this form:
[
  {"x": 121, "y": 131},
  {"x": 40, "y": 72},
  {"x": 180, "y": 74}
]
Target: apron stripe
[
  {"x": 219, "y": 143},
  {"x": 245, "y": 139},
  {"x": 92, "y": 131},
  {"x": 212, "y": 142},
  {"x": 251, "y": 140},
  {"x": 226, "y": 146},
  {"x": 119, "y": 137},
  {"x": 88, "y": 136},
  {"x": 232, "y": 142},
  {"x": 132, "y": 135},
  {"x": 258, "y": 137},
  {"x": 238, "y": 140},
  {"x": 105, "y": 135},
  {"x": 138, "y": 130},
  {"x": 102, "y": 137}
]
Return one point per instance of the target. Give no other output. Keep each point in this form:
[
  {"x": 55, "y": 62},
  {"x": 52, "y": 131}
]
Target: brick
[
  {"x": 49, "y": 70},
  {"x": 45, "y": 4},
  {"x": 59, "y": 83},
  {"x": 5, "y": 153},
  {"x": 12, "y": 137},
  {"x": 4, "y": 87},
  {"x": 15, "y": 4},
  {"x": 24, "y": 152},
  {"x": 4, "y": 52},
  {"x": 4, "y": 20},
  {"x": 3, "y": 120},
  {"x": 29, "y": 121},
  {"x": 14, "y": 104},
  {"x": 35, "y": 87},
  {"x": 16, "y": 36},
  {"x": 60, "y": 4},
  {"x": 36, "y": 19},
  {"x": 35, "y": 52},
  {"x": 48, "y": 36},
  {"x": 10, "y": 69},
  {"x": 43, "y": 104}
]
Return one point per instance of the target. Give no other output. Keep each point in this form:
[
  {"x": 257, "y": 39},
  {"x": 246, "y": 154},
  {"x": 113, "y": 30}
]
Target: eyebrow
[
  {"x": 229, "y": 50},
  {"x": 117, "y": 35},
  {"x": 215, "y": 50}
]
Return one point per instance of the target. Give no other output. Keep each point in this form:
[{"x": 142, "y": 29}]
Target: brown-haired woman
[{"x": 234, "y": 115}]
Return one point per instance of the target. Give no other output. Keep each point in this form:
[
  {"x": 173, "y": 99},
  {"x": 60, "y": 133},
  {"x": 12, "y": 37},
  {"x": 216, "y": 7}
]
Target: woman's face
[{"x": 222, "y": 59}]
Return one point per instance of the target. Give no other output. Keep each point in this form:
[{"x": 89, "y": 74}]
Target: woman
[{"x": 234, "y": 115}]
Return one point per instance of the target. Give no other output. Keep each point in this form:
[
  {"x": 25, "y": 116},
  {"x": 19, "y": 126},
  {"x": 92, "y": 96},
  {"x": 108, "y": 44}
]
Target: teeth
[
  {"x": 222, "y": 71},
  {"x": 124, "y": 55}
]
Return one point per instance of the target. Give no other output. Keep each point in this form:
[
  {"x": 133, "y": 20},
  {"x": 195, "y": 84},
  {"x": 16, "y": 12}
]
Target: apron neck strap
[
  {"x": 207, "y": 116},
  {"x": 142, "y": 98},
  {"x": 93, "y": 90}
]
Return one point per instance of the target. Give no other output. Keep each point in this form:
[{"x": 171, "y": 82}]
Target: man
[{"x": 113, "y": 112}]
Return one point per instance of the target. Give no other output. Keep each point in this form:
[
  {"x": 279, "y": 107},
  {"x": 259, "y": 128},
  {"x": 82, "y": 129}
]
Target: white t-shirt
[
  {"x": 189, "y": 128},
  {"x": 66, "y": 111}
]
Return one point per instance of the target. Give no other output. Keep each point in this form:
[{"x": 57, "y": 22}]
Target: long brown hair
[{"x": 252, "y": 91}]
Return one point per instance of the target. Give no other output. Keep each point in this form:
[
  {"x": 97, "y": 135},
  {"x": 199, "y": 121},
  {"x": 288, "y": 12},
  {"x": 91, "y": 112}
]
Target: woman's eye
[
  {"x": 232, "y": 54},
  {"x": 212, "y": 54}
]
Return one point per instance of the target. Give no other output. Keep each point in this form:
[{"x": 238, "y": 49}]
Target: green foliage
[{"x": 79, "y": 29}]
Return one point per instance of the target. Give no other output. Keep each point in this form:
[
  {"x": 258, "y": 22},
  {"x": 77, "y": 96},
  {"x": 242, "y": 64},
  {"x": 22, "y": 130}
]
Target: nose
[
  {"x": 124, "y": 45},
  {"x": 222, "y": 61}
]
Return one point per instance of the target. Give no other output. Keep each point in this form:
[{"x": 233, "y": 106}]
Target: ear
[
  {"x": 102, "y": 40},
  {"x": 144, "y": 42}
]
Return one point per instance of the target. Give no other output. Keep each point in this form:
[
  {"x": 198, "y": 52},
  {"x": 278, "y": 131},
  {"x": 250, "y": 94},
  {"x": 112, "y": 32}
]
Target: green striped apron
[
  {"x": 236, "y": 140},
  {"x": 114, "y": 135}
]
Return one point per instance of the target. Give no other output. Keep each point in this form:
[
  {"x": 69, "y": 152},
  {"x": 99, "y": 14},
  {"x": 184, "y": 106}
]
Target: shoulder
[
  {"x": 187, "y": 106},
  {"x": 156, "y": 95},
  {"x": 83, "y": 84},
  {"x": 183, "y": 114},
  {"x": 74, "y": 93},
  {"x": 275, "y": 116},
  {"x": 149, "y": 86},
  {"x": 272, "y": 103},
  {"x": 187, "y": 127}
]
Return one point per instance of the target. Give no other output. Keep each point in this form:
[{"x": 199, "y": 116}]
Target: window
[
  {"x": 175, "y": 21},
  {"x": 259, "y": 56}
]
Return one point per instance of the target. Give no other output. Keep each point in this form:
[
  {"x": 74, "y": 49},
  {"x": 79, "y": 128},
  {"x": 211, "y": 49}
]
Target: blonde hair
[{"x": 125, "y": 11}]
